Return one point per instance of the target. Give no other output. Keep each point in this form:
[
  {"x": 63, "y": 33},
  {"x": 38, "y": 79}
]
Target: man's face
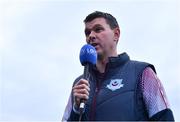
[{"x": 101, "y": 36}]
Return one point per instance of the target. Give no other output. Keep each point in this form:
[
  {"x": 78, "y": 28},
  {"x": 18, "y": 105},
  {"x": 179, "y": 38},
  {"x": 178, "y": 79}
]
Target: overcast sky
[{"x": 40, "y": 42}]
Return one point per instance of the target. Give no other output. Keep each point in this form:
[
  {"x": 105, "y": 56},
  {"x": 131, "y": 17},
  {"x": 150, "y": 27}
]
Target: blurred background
[{"x": 40, "y": 42}]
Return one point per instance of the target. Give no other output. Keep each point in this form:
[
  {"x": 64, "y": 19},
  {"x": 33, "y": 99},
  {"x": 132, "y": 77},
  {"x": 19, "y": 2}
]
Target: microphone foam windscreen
[{"x": 88, "y": 54}]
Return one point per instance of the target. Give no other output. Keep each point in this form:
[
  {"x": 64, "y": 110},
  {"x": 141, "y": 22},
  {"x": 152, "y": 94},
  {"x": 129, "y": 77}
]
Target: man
[{"x": 119, "y": 89}]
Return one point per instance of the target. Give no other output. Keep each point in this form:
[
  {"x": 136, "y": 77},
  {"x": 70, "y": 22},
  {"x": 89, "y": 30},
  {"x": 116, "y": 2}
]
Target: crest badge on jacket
[{"x": 115, "y": 84}]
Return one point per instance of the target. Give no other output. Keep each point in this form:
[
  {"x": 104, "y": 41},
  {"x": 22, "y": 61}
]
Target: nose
[{"x": 91, "y": 38}]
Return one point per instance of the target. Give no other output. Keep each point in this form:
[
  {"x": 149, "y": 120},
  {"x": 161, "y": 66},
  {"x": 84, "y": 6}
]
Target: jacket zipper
[{"x": 93, "y": 107}]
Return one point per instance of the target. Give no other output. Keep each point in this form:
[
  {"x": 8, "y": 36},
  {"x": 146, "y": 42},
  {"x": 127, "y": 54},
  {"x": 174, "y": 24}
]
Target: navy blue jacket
[{"x": 117, "y": 96}]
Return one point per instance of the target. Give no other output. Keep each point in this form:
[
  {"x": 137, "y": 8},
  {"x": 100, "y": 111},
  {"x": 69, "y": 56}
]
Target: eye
[
  {"x": 98, "y": 29},
  {"x": 87, "y": 32}
]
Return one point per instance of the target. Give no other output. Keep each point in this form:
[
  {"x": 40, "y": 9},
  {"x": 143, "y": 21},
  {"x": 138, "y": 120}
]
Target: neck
[
  {"x": 101, "y": 65},
  {"x": 102, "y": 62}
]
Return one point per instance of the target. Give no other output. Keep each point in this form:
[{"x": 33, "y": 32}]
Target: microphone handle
[
  {"x": 86, "y": 71},
  {"x": 82, "y": 101},
  {"x": 86, "y": 77}
]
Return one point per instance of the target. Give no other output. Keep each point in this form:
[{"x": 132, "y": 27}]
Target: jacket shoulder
[{"x": 140, "y": 66}]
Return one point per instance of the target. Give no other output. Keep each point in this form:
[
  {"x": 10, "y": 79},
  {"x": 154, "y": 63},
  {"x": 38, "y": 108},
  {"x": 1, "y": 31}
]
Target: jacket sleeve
[
  {"x": 154, "y": 96},
  {"x": 68, "y": 110},
  {"x": 71, "y": 113}
]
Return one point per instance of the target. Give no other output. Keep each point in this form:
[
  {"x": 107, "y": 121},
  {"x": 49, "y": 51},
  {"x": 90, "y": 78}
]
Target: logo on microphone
[
  {"x": 88, "y": 51},
  {"x": 115, "y": 84},
  {"x": 88, "y": 55}
]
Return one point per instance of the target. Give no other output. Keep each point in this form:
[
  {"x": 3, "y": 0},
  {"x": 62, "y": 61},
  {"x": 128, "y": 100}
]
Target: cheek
[
  {"x": 106, "y": 37},
  {"x": 106, "y": 40}
]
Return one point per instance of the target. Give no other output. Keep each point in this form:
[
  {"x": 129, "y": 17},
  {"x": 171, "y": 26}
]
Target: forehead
[{"x": 97, "y": 21}]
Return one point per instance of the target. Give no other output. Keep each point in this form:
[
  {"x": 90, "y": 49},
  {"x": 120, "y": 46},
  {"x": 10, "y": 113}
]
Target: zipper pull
[{"x": 96, "y": 90}]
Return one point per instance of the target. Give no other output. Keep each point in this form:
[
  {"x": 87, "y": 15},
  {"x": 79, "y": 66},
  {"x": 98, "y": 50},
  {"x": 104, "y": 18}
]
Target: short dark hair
[{"x": 108, "y": 17}]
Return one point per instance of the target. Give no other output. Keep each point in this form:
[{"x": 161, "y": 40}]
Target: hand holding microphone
[
  {"x": 81, "y": 92},
  {"x": 88, "y": 57}
]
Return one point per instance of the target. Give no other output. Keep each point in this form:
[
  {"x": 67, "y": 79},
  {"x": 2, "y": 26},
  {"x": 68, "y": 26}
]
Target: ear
[{"x": 116, "y": 34}]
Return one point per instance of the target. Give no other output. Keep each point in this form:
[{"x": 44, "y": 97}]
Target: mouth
[{"x": 95, "y": 45}]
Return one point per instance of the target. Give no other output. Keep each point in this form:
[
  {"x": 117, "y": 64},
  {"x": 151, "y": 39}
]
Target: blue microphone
[{"x": 88, "y": 57}]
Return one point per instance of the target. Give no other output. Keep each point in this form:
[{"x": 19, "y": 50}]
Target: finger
[
  {"x": 81, "y": 96},
  {"x": 81, "y": 91},
  {"x": 83, "y": 81},
  {"x": 77, "y": 101},
  {"x": 81, "y": 86}
]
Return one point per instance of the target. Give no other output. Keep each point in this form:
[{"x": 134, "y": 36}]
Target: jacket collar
[{"x": 116, "y": 61}]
